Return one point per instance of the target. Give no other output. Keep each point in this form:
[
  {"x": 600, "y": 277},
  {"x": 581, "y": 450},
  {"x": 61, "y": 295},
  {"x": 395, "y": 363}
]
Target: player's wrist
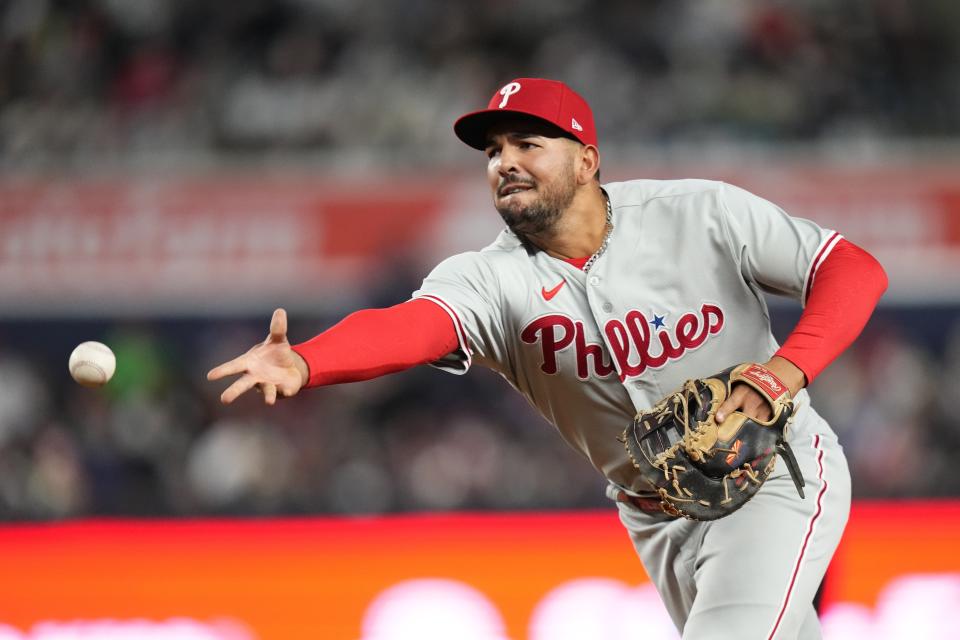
[
  {"x": 789, "y": 373},
  {"x": 300, "y": 364}
]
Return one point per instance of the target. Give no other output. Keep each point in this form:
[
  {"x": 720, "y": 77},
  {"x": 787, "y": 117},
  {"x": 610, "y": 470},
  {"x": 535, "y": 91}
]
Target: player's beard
[{"x": 539, "y": 218}]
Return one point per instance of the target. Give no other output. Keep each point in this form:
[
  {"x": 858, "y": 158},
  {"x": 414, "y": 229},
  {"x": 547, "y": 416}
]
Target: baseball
[{"x": 92, "y": 364}]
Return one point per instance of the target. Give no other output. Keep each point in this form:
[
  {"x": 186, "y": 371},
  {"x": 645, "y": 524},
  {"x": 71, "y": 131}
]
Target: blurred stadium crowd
[
  {"x": 148, "y": 80},
  {"x": 156, "y": 441},
  {"x": 183, "y": 83}
]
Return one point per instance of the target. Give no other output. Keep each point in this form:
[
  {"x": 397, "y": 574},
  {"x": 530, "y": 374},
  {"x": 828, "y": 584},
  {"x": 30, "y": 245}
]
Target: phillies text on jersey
[{"x": 635, "y": 346}]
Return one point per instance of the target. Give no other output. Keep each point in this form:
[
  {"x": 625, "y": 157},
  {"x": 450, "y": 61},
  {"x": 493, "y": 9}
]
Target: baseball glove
[{"x": 702, "y": 470}]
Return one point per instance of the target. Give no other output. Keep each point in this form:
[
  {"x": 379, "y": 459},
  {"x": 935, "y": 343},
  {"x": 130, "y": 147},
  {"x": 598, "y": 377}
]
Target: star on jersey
[{"x": 657, "y": 321}]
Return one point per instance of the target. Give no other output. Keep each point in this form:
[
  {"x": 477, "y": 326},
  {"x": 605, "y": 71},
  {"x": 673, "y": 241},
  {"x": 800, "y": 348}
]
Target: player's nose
[{"x": 508, "y": 162}]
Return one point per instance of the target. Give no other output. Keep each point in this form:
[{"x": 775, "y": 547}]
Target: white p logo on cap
[{"x": 507, "y": 91}]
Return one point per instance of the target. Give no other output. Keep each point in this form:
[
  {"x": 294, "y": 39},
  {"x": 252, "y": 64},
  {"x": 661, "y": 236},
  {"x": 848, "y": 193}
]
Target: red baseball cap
[{"x": 548, "y": 100}]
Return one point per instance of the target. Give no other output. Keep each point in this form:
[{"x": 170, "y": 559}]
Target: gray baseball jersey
[{"x": 676, "y": 295}]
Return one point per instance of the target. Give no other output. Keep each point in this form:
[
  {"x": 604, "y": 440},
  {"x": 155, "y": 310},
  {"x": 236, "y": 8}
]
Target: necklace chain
[{"x": 606, "y": 238}]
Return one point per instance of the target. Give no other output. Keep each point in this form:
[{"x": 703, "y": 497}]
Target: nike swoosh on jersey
[{"x": 548, "y": 294}]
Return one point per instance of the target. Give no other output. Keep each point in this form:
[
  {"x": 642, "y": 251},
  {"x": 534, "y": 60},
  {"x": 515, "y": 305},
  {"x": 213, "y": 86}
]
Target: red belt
[{"x": 647, "y": 505}]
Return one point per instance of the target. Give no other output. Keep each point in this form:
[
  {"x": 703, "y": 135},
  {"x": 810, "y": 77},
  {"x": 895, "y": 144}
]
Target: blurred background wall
[{"x": 172, "y": 170}]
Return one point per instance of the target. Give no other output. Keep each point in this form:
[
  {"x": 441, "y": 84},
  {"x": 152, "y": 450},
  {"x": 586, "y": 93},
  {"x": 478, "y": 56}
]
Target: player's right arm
[
  {"x": 454, "y": 316},
  {"x": 271, "y": 366},
  {"x": 364, "y": 345}
]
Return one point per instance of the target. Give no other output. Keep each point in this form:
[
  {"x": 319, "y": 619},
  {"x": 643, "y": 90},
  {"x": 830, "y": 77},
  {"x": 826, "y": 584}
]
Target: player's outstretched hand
[
  {"x": 271, "y": 366},
  {"x": 747, "y": 401}
]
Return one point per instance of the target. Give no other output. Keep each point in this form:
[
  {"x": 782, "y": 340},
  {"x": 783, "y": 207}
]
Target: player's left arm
[{"x": 841, "y": 286}]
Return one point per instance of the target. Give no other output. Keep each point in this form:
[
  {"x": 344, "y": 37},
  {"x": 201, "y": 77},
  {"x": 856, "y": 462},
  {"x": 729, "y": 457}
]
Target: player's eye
[{"x": 492, "y": 152}]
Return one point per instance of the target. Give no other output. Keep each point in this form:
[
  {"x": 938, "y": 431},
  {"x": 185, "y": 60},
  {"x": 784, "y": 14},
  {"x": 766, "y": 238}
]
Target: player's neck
[{"x": 580, "y": 230}]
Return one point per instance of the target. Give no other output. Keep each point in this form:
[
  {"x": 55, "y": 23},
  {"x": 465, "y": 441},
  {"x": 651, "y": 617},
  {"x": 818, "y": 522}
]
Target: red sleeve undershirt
[
  {"x": 374, "y": 342},
  {"x": 844, "y": 290}
]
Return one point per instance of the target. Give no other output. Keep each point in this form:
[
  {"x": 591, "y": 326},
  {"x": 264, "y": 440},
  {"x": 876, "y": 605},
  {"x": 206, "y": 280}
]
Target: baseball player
[{"x": 598, "y": 300}]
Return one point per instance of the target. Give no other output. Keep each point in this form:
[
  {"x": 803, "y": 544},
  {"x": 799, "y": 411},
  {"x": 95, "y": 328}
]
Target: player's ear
[{"x": 588, "y": 164}]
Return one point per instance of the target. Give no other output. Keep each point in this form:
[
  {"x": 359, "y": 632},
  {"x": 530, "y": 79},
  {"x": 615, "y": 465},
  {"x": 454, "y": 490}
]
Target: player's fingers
[
  {"x": 269, "y": 393},
  {"x": 278, "y": 326},
  {"x": 756, "y": 407},
  {"x": 237, "y": 389},
  {"x": 237, "y": 365},
  {"x": 753, "y": 405},
  {"x": 733, "y": 402}
]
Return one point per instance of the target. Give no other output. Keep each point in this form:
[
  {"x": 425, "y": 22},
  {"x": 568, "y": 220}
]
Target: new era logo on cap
[{"x": 548, "y": 100}]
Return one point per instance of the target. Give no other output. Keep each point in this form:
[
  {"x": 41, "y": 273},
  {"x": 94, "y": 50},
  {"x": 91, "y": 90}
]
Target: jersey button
[
  {"x": 607, "y": 307},
  {"x": 594, "y": 280}
]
